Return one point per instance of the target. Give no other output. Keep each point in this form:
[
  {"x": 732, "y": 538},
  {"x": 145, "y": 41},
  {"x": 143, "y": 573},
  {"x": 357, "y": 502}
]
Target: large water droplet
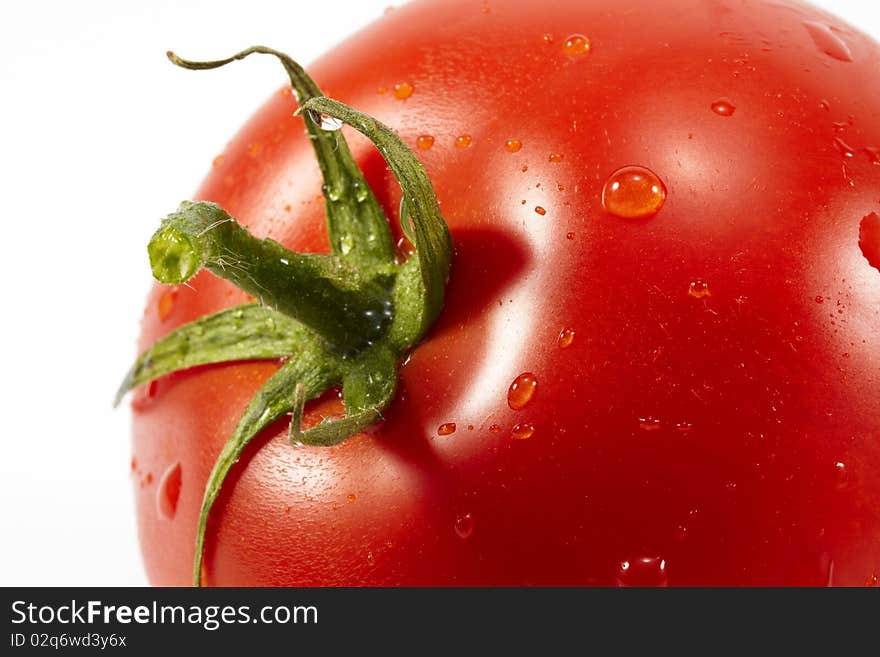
[
  {"x": 642, "y": 571},
  {"x": 840, "y": 474},
  {"x": 446, "y": 429},
  {"x": 649, "y": 423},
  {"x": 522, "y": 390},
  {"x": 566, "y": 337},
  {"x": 699, "y": 289},
  {"x": 464, "y": 525},
  {"x": 522, "y": 431},
  {"x": 827, "y": 41},
  {"x": 633, "y": 192},
  {"x": 424, "y": 142},
  {"x": 166, "y": 302},
  {"x": 869, "y": 239},
  {"x": 540, "y": 210},
  {"x": 168, "y": 492},
  {"x": 577, "y": 45},
  {"x": 403, "y": 90},
  {"x": 513, "y": 145},
  {"x": 463, "y": 141},
  {"x": 723, "y": 107},
  {"x": 325, "y": 121}
]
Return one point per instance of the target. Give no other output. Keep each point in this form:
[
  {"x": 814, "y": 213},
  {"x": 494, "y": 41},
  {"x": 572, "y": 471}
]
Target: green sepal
[
  {"x": 245, "y": 332},
  {"x": 356, "y": 223},
  {"x": 315, "y": 369},
  {"x": 368, "y": 386},
  {"x": 433, "y": 243}
]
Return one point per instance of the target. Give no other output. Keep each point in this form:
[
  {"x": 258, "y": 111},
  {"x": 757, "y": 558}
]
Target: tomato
[{"x": 656, "y": 213}]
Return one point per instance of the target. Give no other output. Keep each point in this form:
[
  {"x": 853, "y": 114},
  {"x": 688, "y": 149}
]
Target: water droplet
[
  {"x": 679, "y": 534},
  {"x": 403, "y": 90},
  {"x": 424, "y": 142},
  {"x": 642, "y": 571},
  {"x": 522, "y": 431},
  {"x": 569, "y": 236},
  {"x": 547, "y": 38},
  {"x": 166, "y": 302},
  {"x": 723, "y": 107},
  {"x": 168, "y": 492},
  {"x": 820, "y": 299},
  {"x": 840, "y": 474},
  {"x": 869, "y": 239},
  {"x": 555, "y": 158},
  {"x": 446, "y": 428},
  {"x": 217, "y": 162},
  {"x": 684, "y": 427},
  {"x": 513, "y": 145},
  {"x": 843, "y": 148},
  {"x": 699, "y": 289},
  {"x": 872, "y": 580},
  {"x": 522, "y": 390},
  {"x": 539, "y": 210},
  {"x": 495, "y": 428},
  {"x": 649, "y": 423},
  {"x": 325, "y": 121},
  {"x": 825, "y": 105},
  {"x": 371, "y": 560},
  {"x": 382, "y": 90},
  {"x": 566, "y": 337},
  {"x": 464, "y": 525},
  {"x": 133, "y": 464},
  {"x": 462, "y": 141},
  {"x": 148, "y": 479},
  {"x": 633, "y": 192},
  {"x": 351, "y": 498},
  {"x": 873, "y": 154},
  {"x": 827, "y": 41},
  {"x": 577, "y": 45}
]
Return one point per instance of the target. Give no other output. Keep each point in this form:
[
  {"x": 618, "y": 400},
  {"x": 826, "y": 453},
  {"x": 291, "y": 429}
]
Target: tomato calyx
[{"x": 346, "y": 318}]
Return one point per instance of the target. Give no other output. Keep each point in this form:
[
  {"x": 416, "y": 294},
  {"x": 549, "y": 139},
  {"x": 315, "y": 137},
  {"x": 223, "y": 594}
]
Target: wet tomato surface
[{"x": 658, "y": 361}]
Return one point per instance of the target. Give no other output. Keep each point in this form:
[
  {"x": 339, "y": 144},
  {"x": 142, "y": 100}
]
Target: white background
[{"x": 99, "y": 138}]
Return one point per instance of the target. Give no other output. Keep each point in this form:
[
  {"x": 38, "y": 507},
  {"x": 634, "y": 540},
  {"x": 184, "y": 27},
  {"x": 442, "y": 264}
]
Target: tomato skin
[{"x": 718, "y": 434}]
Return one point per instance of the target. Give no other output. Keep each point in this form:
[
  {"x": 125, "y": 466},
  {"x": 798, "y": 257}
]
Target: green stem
[
  {"x": 347, "y": 307},
  {"x": 356, "y": 223}
]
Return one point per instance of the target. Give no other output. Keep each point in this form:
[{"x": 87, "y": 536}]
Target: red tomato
[{"x": 701, "y": 351}]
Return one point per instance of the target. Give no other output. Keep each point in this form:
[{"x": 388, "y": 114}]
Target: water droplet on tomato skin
[
  {"x": 566, "y": 337},
  {"x": 556, "y": 158},
  {"x": 167, "y": 300},
  {"x": 464, "y": 525},
  {"x": 873, "y": 154},
  {"x": 513, "y": 145},
  {"x": 872, "y": 581},
  {"x": 351, "y": 498},
  {"x": 569, "y": 236},
  {"x": 403, "y": 90},
  {"x": 463, "y": 141},
  {"x": 577, "y": 45},
  {"x": 843, "y": 148},
  {"x": 633, "y": 192},
  {"x": 540, "y": 210},
  {"x": 649, "y": 423},
  {"x": 840, "y": 474},
  {"x": 522, "y": 431},
  {"x": 642, "y": 571},
  {"x": 869, "y": 239},
  {"x": 827, "y": 41},
  {"x": 521, "y": 391},
  {"x": 820, "y": 299},
  {"x": 217, "y": 162},
  {"x": 699, "y": 289},
  {"x": 446, "y": 429},
  {"x": 424, "y": 142},
  {"x": 168, "y": 493},
  {"x": 325, "y": 121},
  {"x": 723, "y": 107},
  {"x": 495, "y": 428}
]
